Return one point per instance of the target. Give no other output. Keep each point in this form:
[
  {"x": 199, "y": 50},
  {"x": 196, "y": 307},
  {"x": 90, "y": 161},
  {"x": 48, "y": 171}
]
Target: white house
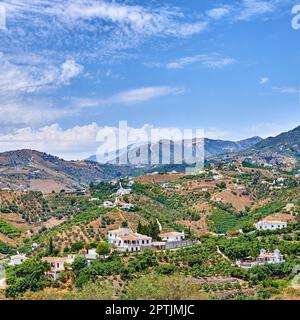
[
  {"x": 92, "y": 254},
  {"x": 270, "y": 225},
  {"x": 17, "y": 259},
  {"x": 127, "y": 240},
  {"x": 108, "y": 204},
  {"x": 122, "y": 191},
  {"x": 57, "y": 266},
  {"x": 172, "y": 236},
  {"x": 264, "y": 258},
  {"x": 127, "y": 206}
]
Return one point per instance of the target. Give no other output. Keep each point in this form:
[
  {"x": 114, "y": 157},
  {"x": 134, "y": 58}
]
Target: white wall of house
[
  {"x": 270, "y": 225},
  {"x": 15, "y": 260},
  {"x": 173, "y": 237}
]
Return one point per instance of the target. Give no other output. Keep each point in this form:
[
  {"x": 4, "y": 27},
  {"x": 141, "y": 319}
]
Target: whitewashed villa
[
  {"x": 270, "y": 225},
  {"x": 172, "y": 236},
  {"x": 264, "y": 258},
  {"x": 17, "y": 259},
  {"x": 127, "y": 240}
]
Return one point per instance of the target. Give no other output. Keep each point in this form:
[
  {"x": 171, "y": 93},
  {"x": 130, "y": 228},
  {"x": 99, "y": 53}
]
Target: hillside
[
  {"x": 287, "y": 144},
  {"x": 218, "y": 201},
  {"x": 29, "y": 169}
]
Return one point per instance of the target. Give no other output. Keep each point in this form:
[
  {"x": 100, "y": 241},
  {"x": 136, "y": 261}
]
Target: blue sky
[{"x": 69, "y": 68}]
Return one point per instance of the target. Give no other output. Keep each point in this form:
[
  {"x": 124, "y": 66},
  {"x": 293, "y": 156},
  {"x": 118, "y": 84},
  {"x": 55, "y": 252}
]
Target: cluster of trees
[
  {"x": 28, "y": 276},
  {"x": 9, "y": 230},
  {"x": 151, "y": 230},
  {"x": 6, "y": 249}
]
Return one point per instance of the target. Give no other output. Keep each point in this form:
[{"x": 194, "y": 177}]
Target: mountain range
[
  {"x": 287, "y": 144},
  {"x": 211, "y": 148},
  {"x": 30, "y": 169}
]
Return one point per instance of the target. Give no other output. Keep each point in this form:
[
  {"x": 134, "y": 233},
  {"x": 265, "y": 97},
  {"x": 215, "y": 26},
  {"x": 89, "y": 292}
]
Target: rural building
[
  {"x": 127, "y": 240},
  {"x": 17, "y": 259},
  {"x": 264, "y": 258},
  {"x": 57, "y": 266},
  {"x": 172, "y": 236},
  {"x": 270, "y": 225}
]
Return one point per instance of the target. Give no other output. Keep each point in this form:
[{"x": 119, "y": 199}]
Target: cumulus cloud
[
  {"x": 29, "y": 112},
  {"x": 78, "y": 142},
  {"x": 74, "y": 143},
  {"x": 16, "y": 78},
  {"x": 69, "y": 70}
]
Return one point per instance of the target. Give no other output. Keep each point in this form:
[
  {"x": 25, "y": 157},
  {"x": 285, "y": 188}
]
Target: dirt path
[{"x": 222, "y": 254}]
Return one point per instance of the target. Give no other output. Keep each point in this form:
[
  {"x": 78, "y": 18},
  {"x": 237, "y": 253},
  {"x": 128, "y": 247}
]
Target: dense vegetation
[{"x": 9, "y": 230}]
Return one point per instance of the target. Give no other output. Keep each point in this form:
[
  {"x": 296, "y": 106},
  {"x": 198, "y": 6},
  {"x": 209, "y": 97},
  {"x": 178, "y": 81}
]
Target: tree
[
  {"x": 248, "y": 227},
  {"x": 79, "y": 263},
  {"x": 50, "y": 247},
  {"x": 124, "y": 224},
  {"x": 221, "y": 185},
  {"x": 103, "y": 248},
  {"x": 30, "y": 275},
  {"x": 75, "y": 247},
  {"x": 154, "y": 230},
  {"x": 139, "y": 228}
]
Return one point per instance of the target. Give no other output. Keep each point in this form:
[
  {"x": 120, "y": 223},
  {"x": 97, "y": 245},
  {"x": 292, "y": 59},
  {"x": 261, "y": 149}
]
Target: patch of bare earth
[
  {"x": 236, "y": 198},
  {"x": 46, "y": 185}
]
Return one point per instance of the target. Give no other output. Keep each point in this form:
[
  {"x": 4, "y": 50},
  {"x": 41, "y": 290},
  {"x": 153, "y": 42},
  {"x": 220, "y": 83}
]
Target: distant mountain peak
[{"x": 286, "y": 143}]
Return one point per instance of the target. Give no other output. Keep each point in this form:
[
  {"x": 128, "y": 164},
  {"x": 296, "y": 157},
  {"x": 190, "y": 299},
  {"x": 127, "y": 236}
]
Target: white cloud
[
  {"x": 69, "y": 70},
  {"x": 134, "y": 96},
  {"x": 218, "y": 13},
  {"x": 250, "y": 9},
  {"x": 213, "y": 61},
  {"x": 115, "y": 17},
  {"x": 74, "y": 143},
  {"x": 143, "y": 94},
  {"x": 78, "y": 142},
  {"x": 264, "y": 80},
  {"x": 288, "y": 90},
  {"x": 28, "y": 112},
  {"x": 141, "y": 20},
  {"x": 17, "y": 78}
]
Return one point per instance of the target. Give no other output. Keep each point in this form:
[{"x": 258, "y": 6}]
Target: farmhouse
[
  {"x": 92, "y": 254},
  {"x": 270, "y": 224},
  {"x": 127, "y": 240},
  {"x": 17, "y": 259},
  {"x": 57, "y": 266},
  {"x": 172, "y": 236},
  {"x": 108, "y": 204},
  {"x": 264, "y": 258},
  {"x": 122, "y": 191}
]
